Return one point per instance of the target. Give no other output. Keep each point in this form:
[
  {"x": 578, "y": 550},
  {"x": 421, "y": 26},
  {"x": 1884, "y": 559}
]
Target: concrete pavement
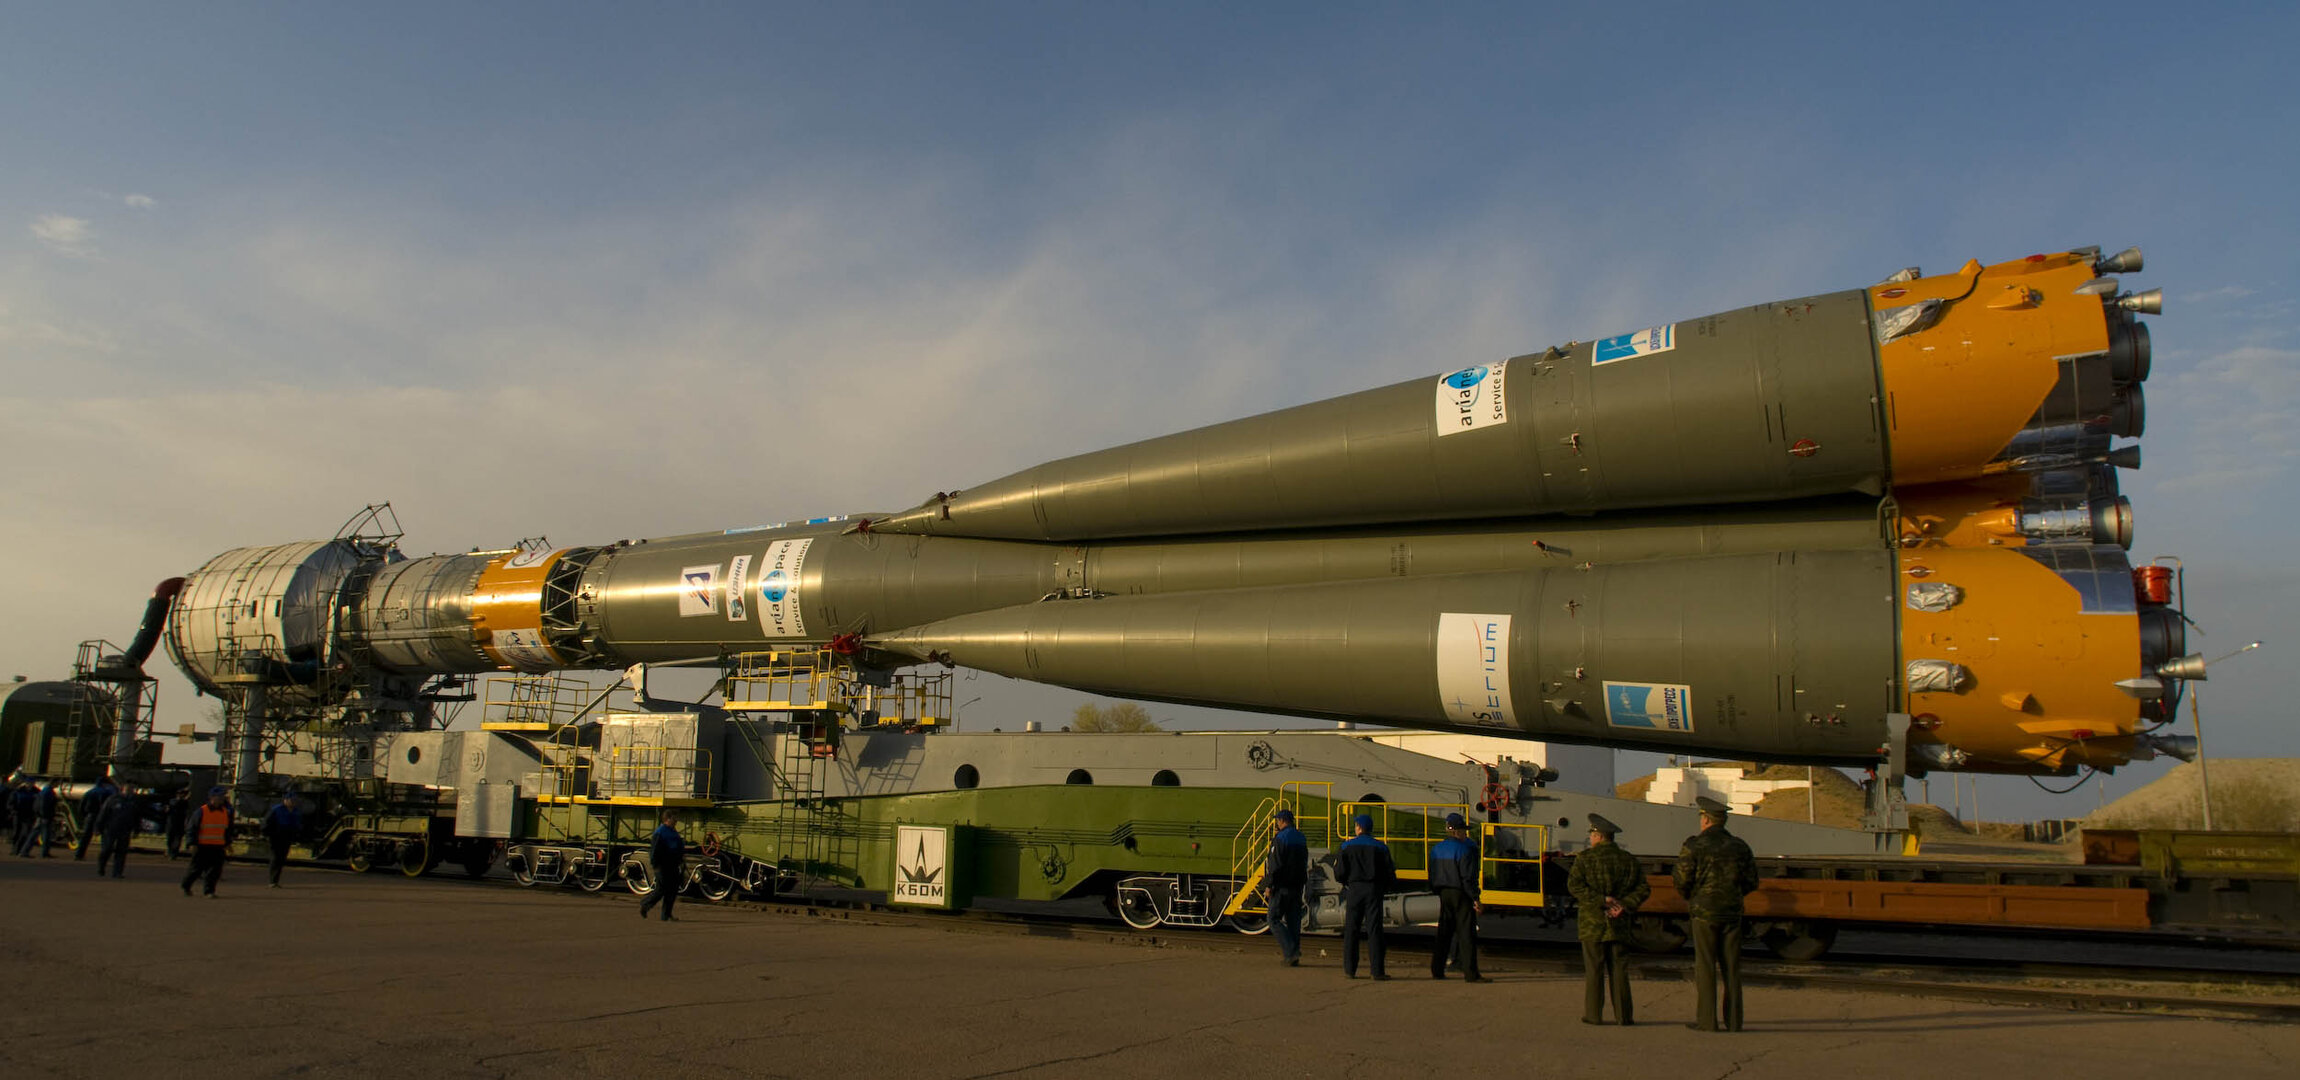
[{"x": 352, "y": 976}]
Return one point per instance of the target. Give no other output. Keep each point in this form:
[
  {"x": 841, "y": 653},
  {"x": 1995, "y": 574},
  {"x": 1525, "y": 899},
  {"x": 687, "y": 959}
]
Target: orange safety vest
[{"x": 215, "y": 826}]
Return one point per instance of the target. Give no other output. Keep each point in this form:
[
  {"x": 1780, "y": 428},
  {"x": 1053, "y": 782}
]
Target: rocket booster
[{"x": 1754, "y": 534}]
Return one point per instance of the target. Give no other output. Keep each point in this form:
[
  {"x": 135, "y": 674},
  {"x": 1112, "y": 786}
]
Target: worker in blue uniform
[
  {"x": 51, "y": 797},
  {"x": 282, "y": 826},
  {"x": 1454, "y": 872},
  {"x": 116, "y": 822},
  {"x": 89, "y": 804},
  {"x": 667, "y": 856},
  {"x": 23, "y": 810},
  {"x": 1288, "y": 871},
  {"x": 1366, "y": 872}
]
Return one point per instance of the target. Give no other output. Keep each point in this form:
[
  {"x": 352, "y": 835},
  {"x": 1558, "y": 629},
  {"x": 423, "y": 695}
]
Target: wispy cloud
[
  {"x": 64, "y": 235},
  {"x": 2240, "y": 418},
  {"x": 139, "y": 202}
]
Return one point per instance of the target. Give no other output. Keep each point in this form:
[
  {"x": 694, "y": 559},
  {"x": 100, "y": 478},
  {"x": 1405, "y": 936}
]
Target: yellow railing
[
  {"x": 1410, "y": 829},
  {"x": 1509, "y": 864},
  {"x": 1250, "y": 848},
  {"x": 532, "y": 702},
  {"x": 807, "y": 680}
]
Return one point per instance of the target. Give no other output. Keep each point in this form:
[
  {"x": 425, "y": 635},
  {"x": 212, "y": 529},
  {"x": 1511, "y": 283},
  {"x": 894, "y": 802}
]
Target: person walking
[
  {"x": 211, "y": 831},
  {"x": 1366, "y": 873},
  {"x": 1715, "y": 870},
  {"x": 179, "y": 812},
  {"x": 1287, "y": 873},
  {"x": 1455, "y": 873},
  {"x": 116, "y": 822},
  {"x": 51, "y": 798},
  {"x": 282, "y": 826},
  {"x": 23, "y": 810},
  {"x": 1607, "y": 887},
  {"x": 666, "y": 854},
  {"x": 90, "y": 803}
]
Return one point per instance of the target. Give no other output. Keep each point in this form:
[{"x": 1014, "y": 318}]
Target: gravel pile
[{"x": 2248, "y": 795}]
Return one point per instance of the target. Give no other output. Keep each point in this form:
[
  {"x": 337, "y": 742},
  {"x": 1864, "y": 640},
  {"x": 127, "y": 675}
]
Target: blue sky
[{"x": 603, "y": 271}]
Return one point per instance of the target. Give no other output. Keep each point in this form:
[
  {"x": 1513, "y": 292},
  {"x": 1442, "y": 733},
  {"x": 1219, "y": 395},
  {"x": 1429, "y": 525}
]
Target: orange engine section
[
  {"x": 507, "y": 610},
  {"x": 1969, "y": 358}
]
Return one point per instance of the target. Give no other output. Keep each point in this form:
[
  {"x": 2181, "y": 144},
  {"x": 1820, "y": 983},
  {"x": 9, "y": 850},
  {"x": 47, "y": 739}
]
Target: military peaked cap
[
  {"x": 1598, "y": 824},
  {"x": 1712, "y": 806}
]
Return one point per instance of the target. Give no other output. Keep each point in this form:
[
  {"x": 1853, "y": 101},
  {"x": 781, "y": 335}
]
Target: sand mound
[{"x": 2248, "y": 795}]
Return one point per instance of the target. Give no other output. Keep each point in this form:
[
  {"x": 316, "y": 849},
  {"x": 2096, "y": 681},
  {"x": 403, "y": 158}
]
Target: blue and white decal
[
  {"x": 523, "y": 650},
  {"x": 1473, "y": 670},
  {"x": 698, "y": 590},
  {"x": 779, "y": 577},
  {"x": 1658, "y": 339},
  {"x": 1649, "y": 706},
  {"x": 738, "y": 578},
  {"x": 1471, "y": 398}
]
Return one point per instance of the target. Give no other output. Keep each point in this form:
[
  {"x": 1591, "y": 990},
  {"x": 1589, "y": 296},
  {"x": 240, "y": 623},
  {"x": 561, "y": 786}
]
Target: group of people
[
  {"x": 110, "y": 815},
  {"x": 1715, "y": 870}
]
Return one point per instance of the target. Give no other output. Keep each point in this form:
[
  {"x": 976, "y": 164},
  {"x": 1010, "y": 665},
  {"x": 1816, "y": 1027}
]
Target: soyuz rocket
[{"x": 1756, "y": 534}]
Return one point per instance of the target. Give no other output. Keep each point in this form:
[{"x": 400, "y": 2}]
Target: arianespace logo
[
  {"x": 921, "y": 870},
  {"x": 1651, "y": 706},
  {"x": 781, "y": 570},
  {"x": 1471, "y": 398}
]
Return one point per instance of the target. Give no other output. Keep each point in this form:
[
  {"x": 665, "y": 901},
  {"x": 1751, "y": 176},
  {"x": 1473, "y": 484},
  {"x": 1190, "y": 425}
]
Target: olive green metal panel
[
  {"x": 1137, "y": 567},
  {"x": 1771, "y": 402},
  {"x": 1780, "y": 655},
  {"x": 642, "y": 603},
  {"x": 680, "y": 599},
  {"x": 1025, "y": 843}
]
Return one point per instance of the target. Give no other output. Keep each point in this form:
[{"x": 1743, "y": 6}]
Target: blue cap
[
  {"x": 1364, "y": 821},
  {"x": 1454, "y": 821},
  {"x": 215, "y": 791},
  {"x": 1284, "y": 815}
]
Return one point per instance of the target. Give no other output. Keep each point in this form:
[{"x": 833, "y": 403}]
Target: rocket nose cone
[{"x": 911, "y": 642}]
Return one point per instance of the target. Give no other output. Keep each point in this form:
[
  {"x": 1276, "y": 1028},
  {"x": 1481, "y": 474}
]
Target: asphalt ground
[{"x": 375, "y": 976}]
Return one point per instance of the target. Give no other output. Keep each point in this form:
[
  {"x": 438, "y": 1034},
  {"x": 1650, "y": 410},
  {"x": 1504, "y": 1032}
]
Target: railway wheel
[
  {"x": 477, "y": 859},
  {"x": 638, "y": 876},
  {"x": 359, "y": 860},
  {"x": 521, "y": 866},
  {"x": 1656, "y": 934},
  {"x": 714, "y": 886},
  {"x": 1248, "y": 923},
  {"x": 593, "y": 875},
  {"x": 1799, "y": 941},
  {"x": 415, "y": 857},
  {"x": 1137, "y": 909}
]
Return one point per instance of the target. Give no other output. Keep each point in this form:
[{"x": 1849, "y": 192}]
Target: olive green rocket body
[{"x": 1695, "y": 537}]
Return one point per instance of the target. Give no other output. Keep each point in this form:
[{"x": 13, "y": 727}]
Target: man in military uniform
[
  {"x": 1366, "y": 872},
  {"x": 1715, "y": 869},
  {"x": 1287, "y": 873},
  {"x": 1454, "y": 876},
  {"x": 1607, "y": 886}
]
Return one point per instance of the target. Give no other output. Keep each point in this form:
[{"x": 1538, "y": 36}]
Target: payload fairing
[{"x": 1758, "y": 534}]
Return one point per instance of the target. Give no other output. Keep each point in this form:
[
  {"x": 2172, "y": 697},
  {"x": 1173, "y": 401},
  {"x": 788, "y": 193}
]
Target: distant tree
[{"x": 1124, "y": 716}]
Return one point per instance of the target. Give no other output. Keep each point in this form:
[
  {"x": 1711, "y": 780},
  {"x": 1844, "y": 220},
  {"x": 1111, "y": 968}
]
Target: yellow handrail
[
  {"x": 1250, "y": 849},
  {"x": 1410, "y": 829}
]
